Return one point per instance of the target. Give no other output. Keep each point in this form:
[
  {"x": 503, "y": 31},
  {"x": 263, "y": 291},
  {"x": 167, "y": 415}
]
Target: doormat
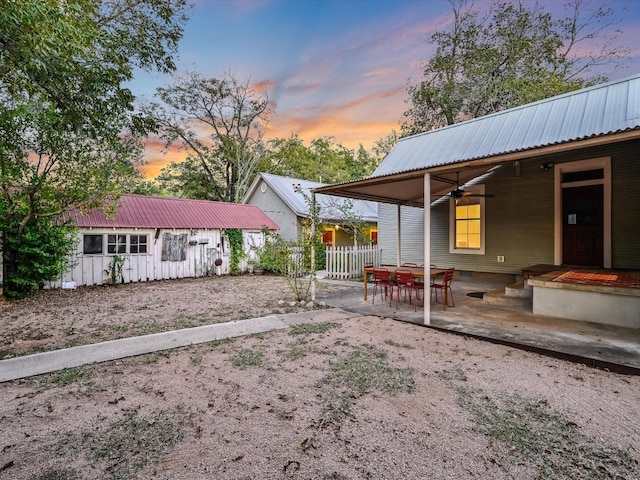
[
  {"x": 602, "y": 278},
  {"x": 476, "y": 294}
]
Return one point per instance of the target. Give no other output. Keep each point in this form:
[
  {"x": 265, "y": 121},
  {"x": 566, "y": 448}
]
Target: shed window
[
  {"x": 92, "y": 244},
  {"x": 116, "y": 244},
  {"x": 137, "y": 244}
]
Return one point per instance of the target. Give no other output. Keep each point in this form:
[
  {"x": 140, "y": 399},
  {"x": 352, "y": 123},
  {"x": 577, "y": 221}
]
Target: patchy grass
[
  {"x": 81, "y": 375},
  {"x": 122, "y": 448},
  {"x": 363, "y": 371},
  {"x": 246, "y": 358},
  {"x": 354, "y": 375},
  {"x": 297, "y": 349},
  {"x": 399, "y": 345},
  {"x": 131, "y": 443},
  {"x": 311, "y": 328},
  {"x": 4, "y": 354},
  {"x": 59, "y": 474},
  {"x": 525, "y": 429}
]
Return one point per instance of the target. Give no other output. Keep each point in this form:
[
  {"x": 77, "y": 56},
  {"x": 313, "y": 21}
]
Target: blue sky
[{"x": 335, "y": 68}]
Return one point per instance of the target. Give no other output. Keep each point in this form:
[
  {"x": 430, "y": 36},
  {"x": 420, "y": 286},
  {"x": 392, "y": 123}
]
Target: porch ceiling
[{"x": 408, "y": 188}]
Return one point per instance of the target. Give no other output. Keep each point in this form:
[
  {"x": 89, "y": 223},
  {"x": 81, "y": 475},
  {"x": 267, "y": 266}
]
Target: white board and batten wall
[{"x": 151, "y": 254}]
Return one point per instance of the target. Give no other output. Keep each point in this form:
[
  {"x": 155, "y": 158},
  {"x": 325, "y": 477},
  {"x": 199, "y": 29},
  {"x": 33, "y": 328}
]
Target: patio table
[{"x": 417, "y": 272}]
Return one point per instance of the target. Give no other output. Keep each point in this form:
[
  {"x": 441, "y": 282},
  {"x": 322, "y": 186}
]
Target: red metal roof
[{"x": 144, "y": 211}]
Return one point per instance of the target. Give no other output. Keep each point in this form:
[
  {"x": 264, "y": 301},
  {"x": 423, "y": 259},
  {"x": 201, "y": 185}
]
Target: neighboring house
[
  {"x": 161, "y": 238},
  {"x": 561, "y": 179},
  {"x": 280, "y": 198}
]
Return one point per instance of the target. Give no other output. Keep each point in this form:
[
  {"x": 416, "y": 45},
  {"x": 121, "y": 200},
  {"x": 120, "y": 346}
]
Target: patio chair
[
  {"x": 382, "y": 279},
  {"x": 444, "y": 287},
  {"x": 369, "y": 275},
  {"x": 406, "y": 282}
]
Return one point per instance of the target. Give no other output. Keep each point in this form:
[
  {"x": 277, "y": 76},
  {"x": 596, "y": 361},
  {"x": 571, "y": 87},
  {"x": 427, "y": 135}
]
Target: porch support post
[
  {"x": 399, "y": 240},
  {"x": 314, "y": 233},
  {"x": 427, "y": 249}
]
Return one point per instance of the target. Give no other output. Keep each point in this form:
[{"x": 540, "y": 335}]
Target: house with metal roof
[
  {"x": 286, "y": 201},
  {"x": 160, "y": 238},
  {"x": 552, "y": 184}
]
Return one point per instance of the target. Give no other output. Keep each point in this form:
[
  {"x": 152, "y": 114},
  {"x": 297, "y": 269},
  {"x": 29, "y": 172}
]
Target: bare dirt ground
[{"x": 357, "y": 398}]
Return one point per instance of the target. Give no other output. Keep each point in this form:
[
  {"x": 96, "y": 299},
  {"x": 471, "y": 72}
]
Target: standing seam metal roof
[
  {"x": 599, "y": 110},
  {"x": 284, "y": 187},
  {"x": 141, "y": 211}
]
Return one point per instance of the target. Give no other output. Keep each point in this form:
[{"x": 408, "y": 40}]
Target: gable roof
[
  {"x": 144, "y": 211},
  {"x": 284, "y": 188},
  {"x": 599, "y": 110},
  {"x": 601, "y": 114}
]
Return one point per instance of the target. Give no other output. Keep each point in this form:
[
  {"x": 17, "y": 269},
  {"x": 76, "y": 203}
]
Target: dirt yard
[{"x": 334, "y": 398}]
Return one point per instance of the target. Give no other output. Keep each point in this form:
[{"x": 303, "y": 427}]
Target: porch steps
[
  {"x": 519, "y": 290},
  {"x": 516, "y": 295}
]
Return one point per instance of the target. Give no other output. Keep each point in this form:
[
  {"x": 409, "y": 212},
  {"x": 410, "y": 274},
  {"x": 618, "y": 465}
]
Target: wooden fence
[{"x": 348, "y": 262}]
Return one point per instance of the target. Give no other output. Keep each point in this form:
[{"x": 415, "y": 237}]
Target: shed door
[{"x": 583, "y": 225}]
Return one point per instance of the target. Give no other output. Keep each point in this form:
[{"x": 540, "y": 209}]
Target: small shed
[
  {"x": 161, "y": 238},
  {"x": 283, "y": 200}
]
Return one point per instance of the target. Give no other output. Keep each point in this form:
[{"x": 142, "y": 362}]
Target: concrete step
[
  {"x": 499, "y": 297},
  {"x": 519, "y": 290}
]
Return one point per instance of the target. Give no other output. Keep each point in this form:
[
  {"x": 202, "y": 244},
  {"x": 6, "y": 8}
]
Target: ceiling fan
[{"x": 459, "y": 194}]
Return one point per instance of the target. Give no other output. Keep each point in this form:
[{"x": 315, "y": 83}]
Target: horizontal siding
[
  {"x": 626, "y": 203},
  {"x": 520, "y": 216},
  {"x": 277, "y": 210},
  {"x": 412, "y": 229}
]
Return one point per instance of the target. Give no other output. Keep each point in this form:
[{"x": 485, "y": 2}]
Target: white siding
[{"x": 202, "y": 249}]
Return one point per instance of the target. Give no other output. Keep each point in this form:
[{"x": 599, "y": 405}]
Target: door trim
[{"x": 592, "y": 164}]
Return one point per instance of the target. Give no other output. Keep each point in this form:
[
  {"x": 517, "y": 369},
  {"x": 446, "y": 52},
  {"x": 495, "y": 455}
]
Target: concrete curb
[{"x": 46, "y": 362}]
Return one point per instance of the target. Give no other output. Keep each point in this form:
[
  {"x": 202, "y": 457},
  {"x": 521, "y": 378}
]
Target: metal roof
[
  {"x": 285, "y": 188},
  {"x": 598, "y": 115},
  {"x": 142, "y": 211},
  {"x": 599, "y": 110}
]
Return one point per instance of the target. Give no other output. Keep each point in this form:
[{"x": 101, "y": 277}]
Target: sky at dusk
[{"x": 332, "y": 68}]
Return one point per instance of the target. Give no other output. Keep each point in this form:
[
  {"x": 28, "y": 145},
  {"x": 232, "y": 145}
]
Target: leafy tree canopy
[
  {"x": 220, "y": 122},
  {"x": 70, "y": 139},
  {"x": 516, "y": 54},
  {"x": 323, "y": 160}
]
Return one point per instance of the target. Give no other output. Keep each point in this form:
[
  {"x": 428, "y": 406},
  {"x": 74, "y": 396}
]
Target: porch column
[
  {"x": 314, "y": 232},
  {"x": 427, "y": 249},
  {"x": 399, "y": 240}
]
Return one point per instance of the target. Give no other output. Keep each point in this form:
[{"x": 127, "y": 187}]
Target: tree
[
  {"x": 515, "y": 55},
  {"x": 69, "y": 138},
  {"x": 220, "y": 122},
  {"x": 384, "y": 145},
  {"x": 323, "y": 160}
]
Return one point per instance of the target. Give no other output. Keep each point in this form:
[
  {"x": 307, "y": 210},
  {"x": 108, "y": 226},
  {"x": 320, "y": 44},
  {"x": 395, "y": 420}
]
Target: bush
[{"x": 39, "y": 254}]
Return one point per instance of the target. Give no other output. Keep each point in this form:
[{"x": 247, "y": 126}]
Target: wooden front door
[
  {"x": 327, "y": 238},
  {"x": 583, "y": 225}
]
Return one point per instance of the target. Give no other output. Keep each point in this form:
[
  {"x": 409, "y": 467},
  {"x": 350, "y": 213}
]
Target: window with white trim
[
  {"x": 467, "y": 220},
  {"x": 116, "y": 244},
  {"x": 92, "y": 244},
  {"x": 137, "y": 243}
]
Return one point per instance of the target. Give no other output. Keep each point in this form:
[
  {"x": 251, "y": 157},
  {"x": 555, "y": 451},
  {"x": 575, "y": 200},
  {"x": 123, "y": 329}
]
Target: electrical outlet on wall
[{"x": 500, "y": 258}]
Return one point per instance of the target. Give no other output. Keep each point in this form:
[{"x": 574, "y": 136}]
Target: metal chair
[
  {"x": 445, "y": 288},
  {"x": 382, "y": 279},
  {"x": 406, "y": 282}
]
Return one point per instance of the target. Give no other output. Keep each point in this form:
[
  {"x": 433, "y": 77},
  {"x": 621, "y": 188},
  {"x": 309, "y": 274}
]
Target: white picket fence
[{"x": 348, "y": 262}]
